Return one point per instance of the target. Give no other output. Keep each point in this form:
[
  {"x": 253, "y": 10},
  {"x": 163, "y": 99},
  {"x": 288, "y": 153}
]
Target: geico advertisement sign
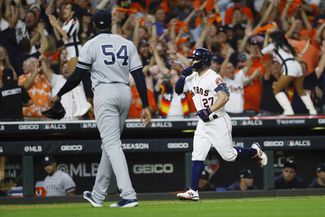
[
  {"x": 153, "y": 168},
  {"x": 71, "y": 147},
  {"x": 273, "y": 143},
  {"x": 28, "y": 127},
  {"x": 160, "y": 124},
  {"x": 173, "y": 145},
  {"x": 80, "y": 169}
]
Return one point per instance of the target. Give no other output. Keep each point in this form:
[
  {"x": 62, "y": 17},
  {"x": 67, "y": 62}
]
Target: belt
[{"x": 113, "y": 82}]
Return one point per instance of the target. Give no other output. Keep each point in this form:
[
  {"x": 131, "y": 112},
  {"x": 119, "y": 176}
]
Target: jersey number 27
[{"x": 121, "y": 54}]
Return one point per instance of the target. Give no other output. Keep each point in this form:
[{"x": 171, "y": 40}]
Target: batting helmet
[
  {"x": 102, "y": 19},
  {"x": 203, "y": 56}
]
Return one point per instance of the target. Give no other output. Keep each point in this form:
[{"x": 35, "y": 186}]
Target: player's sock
[
  {"x": 245, "y": 153},
  {"x": 197, "y": 167}
]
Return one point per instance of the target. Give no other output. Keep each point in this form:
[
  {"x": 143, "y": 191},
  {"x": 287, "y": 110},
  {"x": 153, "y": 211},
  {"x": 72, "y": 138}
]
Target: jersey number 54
[{"x": 121, "y": 54}]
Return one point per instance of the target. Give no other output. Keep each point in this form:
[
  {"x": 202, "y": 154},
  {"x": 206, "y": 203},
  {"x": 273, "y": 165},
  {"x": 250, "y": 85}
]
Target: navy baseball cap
[
  {"x": 256, "y": 40},
  {"x": 246, "y": 173},
  {"x": 290, "y": 164},
  {"x": 217, "y": 58},
  {"x": 143, "y": 43},
  {"x": 47, "y": 160},
  {"x": 321, "y": 167},
  {"x": 242, "y": 57},
  {"x": 102, "y": 19}
]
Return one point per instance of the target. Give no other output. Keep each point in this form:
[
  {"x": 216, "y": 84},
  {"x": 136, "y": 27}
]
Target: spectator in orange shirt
[
  {"x": 253, "y": 90},
  {"x": 237, "y": 8},
  {"x": 136, "y": 105},
  {"x": 39, "y": 89}
]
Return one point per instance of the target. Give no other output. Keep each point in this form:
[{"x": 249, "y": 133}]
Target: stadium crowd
[{"x": 40, "y": 41}]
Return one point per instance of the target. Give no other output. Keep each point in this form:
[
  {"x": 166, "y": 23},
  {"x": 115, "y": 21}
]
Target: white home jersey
[
  {"x": 204, "y": 89},
  {"x": 235, "y": 86},
  {"x": 110, "y": 59},
  {"x": 72, "y": 44}
]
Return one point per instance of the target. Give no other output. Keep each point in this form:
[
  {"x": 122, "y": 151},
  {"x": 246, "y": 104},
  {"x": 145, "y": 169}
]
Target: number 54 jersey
[
  {"x": 110, "y": 58},
  {"x": 204, "y": 89}
]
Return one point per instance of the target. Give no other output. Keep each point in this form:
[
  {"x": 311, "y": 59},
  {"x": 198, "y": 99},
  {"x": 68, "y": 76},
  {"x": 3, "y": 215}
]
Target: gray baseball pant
[{"x": 111, "y": 104}]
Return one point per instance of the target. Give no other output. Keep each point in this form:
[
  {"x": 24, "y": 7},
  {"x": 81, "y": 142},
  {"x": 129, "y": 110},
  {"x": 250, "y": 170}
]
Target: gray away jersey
[
  {"x": 110, "y": 58},
  {"x": 59, "y": 184}
]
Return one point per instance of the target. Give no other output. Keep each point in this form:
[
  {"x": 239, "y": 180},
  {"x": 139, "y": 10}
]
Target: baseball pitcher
[{"x": 110, "y": 58}]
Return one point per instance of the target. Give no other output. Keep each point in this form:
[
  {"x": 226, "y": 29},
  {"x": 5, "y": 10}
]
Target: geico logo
[
  {"x": 178, "y": 145},
  {"x": 321, "y": 121},
  {"x": 234, "y": 123},
  {"x": 28, "y": 126},
  {"x": 1, "y": 149},
  {"x": 273, "y": 143},
  {"x": 134, "y": 125},
  {"x": 153, "y": 168},
  {"x": 33, "y": 148},
  {"x": 239, "y": 144},
  {"x": 71, "y": 148}
]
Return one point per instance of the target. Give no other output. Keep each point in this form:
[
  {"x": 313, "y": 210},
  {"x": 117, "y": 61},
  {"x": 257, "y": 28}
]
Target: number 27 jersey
[{"x": 203, "y": 88}]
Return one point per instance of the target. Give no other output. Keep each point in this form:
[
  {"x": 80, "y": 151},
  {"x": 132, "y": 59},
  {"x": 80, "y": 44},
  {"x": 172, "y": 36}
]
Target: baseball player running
[
  {"x": 110, "y": 58},
  {"x": 210, "y": 94}
]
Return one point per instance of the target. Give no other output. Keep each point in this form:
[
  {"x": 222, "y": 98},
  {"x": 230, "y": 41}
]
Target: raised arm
[
  {"x": 248, "y": 33},
  {"x": 48, "y": 72},
  {"x": 305, "y": 19},
  {"x": 56, "y": 25},
  {"x": 135, "y": 37},
  {"x": 30, "y": 80},
  {"x": 284, "y": 16},
  {"x": 224, "y": 64},
  {"x": 265, "y": 15},
  {"x": 317, "y": 36},
  {"x": 321, "y": 65},
  {"x": 203, "y": 34}
]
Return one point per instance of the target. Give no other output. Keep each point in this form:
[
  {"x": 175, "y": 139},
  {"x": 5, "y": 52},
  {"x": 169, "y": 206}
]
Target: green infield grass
[{"x": 253, "y": 207}]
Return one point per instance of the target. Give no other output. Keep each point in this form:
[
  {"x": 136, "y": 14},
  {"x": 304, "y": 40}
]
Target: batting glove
[
  {"x": 187, "y": 71},
  {"x": 204, "y": 114}
]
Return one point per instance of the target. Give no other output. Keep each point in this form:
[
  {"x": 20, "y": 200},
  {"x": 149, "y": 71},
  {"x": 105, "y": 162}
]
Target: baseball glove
[{"x": 55, "y": 112}]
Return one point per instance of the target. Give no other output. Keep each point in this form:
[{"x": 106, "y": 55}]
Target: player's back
[{"x": 112, "y": 57}]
